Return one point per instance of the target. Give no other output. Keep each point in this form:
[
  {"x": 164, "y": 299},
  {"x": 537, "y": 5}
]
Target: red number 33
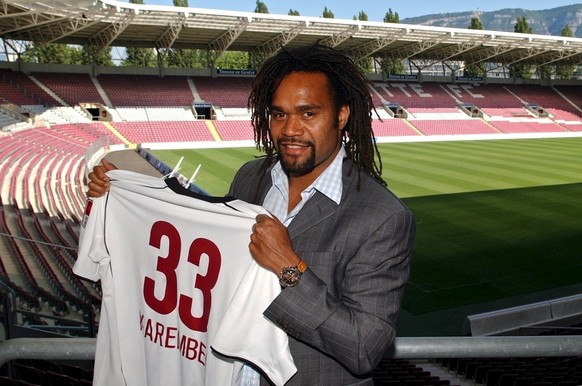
[{"x": 167, "y": 265}]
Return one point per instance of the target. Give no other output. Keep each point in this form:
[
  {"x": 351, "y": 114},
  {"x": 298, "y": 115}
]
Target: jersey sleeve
[{"x": 92, "y": 255}]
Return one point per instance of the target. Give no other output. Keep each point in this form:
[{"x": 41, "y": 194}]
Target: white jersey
[{"x": 178, "y": 284}]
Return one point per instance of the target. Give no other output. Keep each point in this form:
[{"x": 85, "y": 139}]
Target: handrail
[{"x": 404, "y": 347}]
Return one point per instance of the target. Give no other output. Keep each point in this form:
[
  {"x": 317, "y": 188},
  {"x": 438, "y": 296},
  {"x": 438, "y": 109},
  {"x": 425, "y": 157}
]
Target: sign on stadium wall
[
  {"x": 221, "y": 71},
  {"x": 469, "y": 78},
  {"x": 402, "y": 77}
]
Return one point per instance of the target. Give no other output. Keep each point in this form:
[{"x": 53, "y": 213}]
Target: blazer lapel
[
  {"x": 320, "y": 207},
  {"x": 317, "y": 209}
]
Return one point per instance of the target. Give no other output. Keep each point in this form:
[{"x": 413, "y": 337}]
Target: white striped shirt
[{"x": 329, "y": 183}]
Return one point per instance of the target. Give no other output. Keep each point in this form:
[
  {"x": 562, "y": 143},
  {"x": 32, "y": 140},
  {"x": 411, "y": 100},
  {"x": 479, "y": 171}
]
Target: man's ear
[{"x": 343, "y": 116}]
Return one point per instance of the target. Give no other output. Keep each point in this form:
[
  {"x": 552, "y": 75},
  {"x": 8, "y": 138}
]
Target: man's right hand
[{"x": 98, "y": 181}]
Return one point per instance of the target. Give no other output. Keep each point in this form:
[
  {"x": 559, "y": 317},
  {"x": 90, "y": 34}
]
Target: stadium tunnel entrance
[{"x": 203, "y": 111}]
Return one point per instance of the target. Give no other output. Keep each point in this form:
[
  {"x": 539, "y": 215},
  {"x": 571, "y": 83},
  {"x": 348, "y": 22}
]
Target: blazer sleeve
[
  {"x": 356, "y": 325},
  {"x": 248, "y": 185}
]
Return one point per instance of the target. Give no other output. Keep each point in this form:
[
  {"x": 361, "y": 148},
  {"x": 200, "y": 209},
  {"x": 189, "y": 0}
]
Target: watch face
[{"x": 289, "y": 276}]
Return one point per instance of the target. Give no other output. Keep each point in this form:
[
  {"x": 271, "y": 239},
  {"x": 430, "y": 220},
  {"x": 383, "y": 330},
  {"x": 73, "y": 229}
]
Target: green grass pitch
[{"x": 497, "y": 219}]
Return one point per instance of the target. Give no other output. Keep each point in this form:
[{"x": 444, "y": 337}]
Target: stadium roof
[{"x": 103, "y": 23}]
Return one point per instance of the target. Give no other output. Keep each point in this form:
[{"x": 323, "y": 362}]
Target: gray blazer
[{"x": 341, "y": 317}]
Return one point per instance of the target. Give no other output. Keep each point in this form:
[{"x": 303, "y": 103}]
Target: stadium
[{"x": 489, "y": 165}]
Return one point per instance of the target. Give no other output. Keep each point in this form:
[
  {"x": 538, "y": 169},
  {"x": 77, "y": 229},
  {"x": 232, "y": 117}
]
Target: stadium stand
[
  {"x": 147, "y": 90},
  {"x": 452, "y": 127},
  {"x": 20, "y": 89},
  {"x": 570, "y": 93},
  {"x": 393, "y": 128},
  {"x": 70, "y": 87},
  {"x": 527, "y": 126},
  {"x": 42, "y": 175},
  {"x": 225, "y": 91},
  {"x": 412, "y": 95},
  {"x": 234, "y": 130},
  {"x": 164, "y": 131}
]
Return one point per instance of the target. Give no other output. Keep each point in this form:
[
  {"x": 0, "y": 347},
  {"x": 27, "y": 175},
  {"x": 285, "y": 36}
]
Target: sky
[{"x": 375, "y": 9}]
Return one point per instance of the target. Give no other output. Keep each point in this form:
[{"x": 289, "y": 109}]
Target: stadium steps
[
  {"x": 195, "y": 94},
  {"x": 213, "y": 130},
  {"x": 414, "y": 128},
  {"x": 117, "y": 133},
  {"x": 48, "y": 91},
  {"x": 102, "y": 92},
  {"x": 515, "y": 95},
  {"x": 492, "y": 127},
  {"x": 567, "y": 99}
]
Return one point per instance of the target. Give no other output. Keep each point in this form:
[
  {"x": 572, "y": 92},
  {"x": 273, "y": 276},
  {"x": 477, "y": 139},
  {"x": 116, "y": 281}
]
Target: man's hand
[
  {"x": 271, "y": 246},
  {"x": 98, "y": 181}
]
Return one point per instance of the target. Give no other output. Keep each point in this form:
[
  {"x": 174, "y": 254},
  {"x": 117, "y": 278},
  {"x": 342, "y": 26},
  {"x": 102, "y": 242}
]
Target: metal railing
[{"x": 404, "y": 347}]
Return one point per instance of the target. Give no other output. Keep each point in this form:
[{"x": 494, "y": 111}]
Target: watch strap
[{"x": 289, "y": 276}]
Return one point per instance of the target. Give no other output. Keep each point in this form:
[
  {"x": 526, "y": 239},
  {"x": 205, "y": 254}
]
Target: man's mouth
[
  {"x": 293, "y": 148},
  {"x": 294, "y": 144}
]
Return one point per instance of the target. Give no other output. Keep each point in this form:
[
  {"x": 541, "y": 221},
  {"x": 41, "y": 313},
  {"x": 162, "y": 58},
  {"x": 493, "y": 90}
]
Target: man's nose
[{"x": 293, "y": 126}]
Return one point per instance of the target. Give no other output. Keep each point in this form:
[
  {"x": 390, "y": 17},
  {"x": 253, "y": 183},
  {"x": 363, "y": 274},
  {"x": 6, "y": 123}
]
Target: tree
[
  {"x": 478, "y": 69},
  {"x": 476, "y": 23},
  {"x": 100, "y": 58},
  {"x": 293, "y": 12},
  {"x": 565, "y": 71},
  {"x": 519, "y": 70},
  {"x": 391, "y": 65},
  {"x": 185, "y": 58},
  {"x": 362, "y": 16},
  {"x": 327, "y": 13},
  {"x": 233, "y": 60},
  {"x": 391, "y": 17},
  {"x": 58, "y": 53},
  {"x": 544, "y": 72},
  {"x": 261, "y": 7},
  {"x": 52, "y": 53},
  {"x": 139, "y": 57}
]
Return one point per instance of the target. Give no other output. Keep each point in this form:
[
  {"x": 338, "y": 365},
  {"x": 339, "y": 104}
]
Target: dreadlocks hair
[{"x": 348, "y": 86}]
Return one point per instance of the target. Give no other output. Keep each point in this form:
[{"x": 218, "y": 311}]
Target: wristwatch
[{"x": 290, "y": 276}]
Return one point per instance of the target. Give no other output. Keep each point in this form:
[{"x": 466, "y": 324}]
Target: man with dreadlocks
[{"x": 338, "y": 239}]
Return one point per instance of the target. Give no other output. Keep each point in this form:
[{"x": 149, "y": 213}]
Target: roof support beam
[
  {"x": 488, "y": 54},
  {"x": 560, "y": 56},
  {"x": 221, "y": 43},
  {"x": 414, "y": 49},
  {"x": 167, "y": 39},
  {"x": 105, "y": 37},
  {"x": 369, "y": 48},
  {"x": 335, "y": 40},
  {"x": 271, "y": 47},
  {"x": 55, "y": 31},
  {"x": 521, "y": 55},
  {"x": 23, "y": 21},
  {"x": 449, "y": 53}
]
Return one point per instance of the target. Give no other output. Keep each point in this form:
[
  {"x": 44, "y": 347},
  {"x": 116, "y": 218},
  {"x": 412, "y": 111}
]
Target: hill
[{"x": 543, "y": 22}]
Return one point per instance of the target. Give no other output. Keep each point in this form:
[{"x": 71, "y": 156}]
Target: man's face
[{"x": 305, "y": 127}]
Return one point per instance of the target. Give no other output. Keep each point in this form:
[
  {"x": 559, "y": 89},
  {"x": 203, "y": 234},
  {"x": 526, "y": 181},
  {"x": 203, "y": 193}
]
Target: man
[{"x": 339, "y": 240}]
